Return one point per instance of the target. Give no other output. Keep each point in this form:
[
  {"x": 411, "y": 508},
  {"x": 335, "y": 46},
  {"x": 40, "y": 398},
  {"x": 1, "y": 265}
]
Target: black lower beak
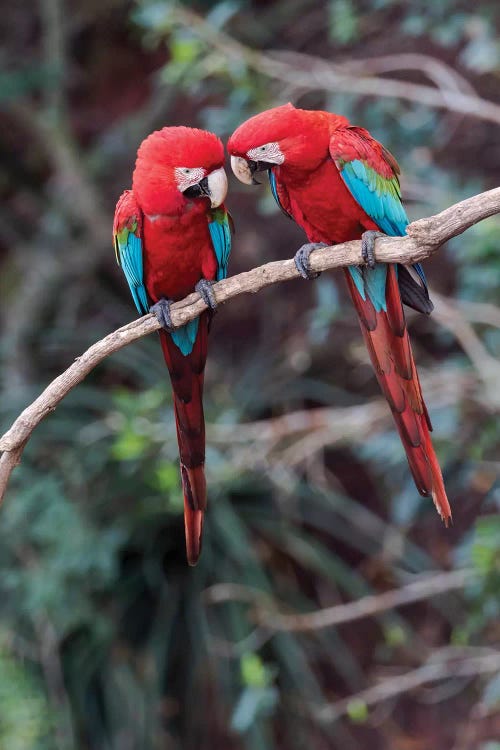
[
  {"x": 259, "y": 166},
  {"x": 198, "y": 190}
]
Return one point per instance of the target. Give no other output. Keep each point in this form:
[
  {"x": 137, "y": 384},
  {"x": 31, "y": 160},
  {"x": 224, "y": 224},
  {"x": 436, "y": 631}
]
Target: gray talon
[
  {"x": 302, "y": 259},
  {"x": 368, "y": 246},
  {"x": 206, "y": 292},
  {"x": 161, "y": 310}
]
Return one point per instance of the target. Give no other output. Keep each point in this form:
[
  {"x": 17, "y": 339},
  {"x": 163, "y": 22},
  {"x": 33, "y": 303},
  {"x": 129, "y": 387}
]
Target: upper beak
[
  {"x": 244, "y": 169},
  {"x": 213, "y": 186},
  {"x": 217, "y": 186}
]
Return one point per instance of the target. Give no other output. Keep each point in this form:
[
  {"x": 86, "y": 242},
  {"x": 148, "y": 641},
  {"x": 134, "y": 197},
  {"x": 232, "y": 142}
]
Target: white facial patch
[
  {"x": 269, "y": 152},
  {"x": 186, "y": 177}
]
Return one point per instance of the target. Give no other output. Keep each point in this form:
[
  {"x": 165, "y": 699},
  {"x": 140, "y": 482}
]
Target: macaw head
[
  {"x": 179, "y": 169},
  {"x": 281, "y": 137}
]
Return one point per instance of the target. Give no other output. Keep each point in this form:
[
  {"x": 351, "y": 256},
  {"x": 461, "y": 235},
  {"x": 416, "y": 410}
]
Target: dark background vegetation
[{"x": 108, "y": 641}]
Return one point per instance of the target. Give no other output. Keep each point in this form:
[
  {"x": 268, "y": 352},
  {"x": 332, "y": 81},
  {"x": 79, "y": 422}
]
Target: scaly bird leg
[
  {"x": 206, "y": 292},
  {"x": 162, "y": 311},
  {"x": 368, "y": 246},
  {"x": 302, "y": 259}
]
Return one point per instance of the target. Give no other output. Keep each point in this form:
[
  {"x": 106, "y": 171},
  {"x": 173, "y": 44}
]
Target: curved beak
[
  {"x": 243, "y": 169},
  {"x": 213, "y": 186},
  {"x": 217, "y": 186}
]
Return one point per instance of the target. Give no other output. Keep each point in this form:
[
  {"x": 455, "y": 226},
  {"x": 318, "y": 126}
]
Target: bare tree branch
[
  {"x": 425, "y": 236},
  {"x": 448, "y": 314},
  {"x": 444, "y": 76},
  {"x": 266, "y": 616},
  {"x": 268, "y": 621},
  {"x": 290, "y": 439},
  {"x": 395, "y": 686},
  {"x": 302, "y": 71}
]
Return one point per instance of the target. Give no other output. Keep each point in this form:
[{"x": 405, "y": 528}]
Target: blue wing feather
[
  {"x": 129, "y": 254},
  {"x": 418, "y": 268},
  {"x": 185, "y": 336},
  {"x": 274, "y": 191},
  {"x": 370, "y": 282},
  {"x": 382, "y": 205},
  {"x": 130, "y": 258},
  {"x": 380, "y": 199},
  {"x": 220, "y": 233}
]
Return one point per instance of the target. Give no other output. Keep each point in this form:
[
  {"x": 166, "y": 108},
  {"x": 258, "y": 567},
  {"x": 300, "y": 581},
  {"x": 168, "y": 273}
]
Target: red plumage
[
  {"x": 310, "y": 149},
  {"x": 388, "y": 344},
  {"x": 177, "y": 252},
  {"x": 186, "y": 375},
  {"x": 177, "y": 248}
]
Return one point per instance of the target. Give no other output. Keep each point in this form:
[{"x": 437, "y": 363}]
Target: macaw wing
[
  {"x": 127, "y": 231},
  {"x": 221, "y": 225},
  {"x": 370, "y": 173}
]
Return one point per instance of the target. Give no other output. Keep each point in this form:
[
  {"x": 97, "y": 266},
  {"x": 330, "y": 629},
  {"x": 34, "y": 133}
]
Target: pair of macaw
[{"x": 172, "y": 236}]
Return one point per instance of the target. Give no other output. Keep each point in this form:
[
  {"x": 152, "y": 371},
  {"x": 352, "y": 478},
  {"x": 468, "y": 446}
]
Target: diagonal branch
[
  {"x": 403, "y": 683},
  {"x": 425, "y": 236},
  {"x": 291, "y": 439},
  {"x": 300, "y": 70},
  {"x": 268, "y": 620},
  {"x": 265, "y": 614}
]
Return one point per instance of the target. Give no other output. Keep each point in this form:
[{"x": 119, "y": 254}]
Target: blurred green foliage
[
  {"x": 107, "y": 640},
  {"x": 26, "y": 720}
]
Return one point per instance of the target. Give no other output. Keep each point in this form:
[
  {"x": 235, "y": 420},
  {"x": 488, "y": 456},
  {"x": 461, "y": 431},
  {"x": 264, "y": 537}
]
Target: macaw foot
[
  {"x": 302, "y": 259},
  {"x": 206, "y": 292},
  {"x": 161, "y": 310},
  {"x": 368, "y": 246}
]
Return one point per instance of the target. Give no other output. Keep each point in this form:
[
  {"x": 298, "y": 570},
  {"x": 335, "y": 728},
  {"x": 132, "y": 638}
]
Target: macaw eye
[
  {"x": 186, "y": 177},
  {"x": 259, "y": 150}
]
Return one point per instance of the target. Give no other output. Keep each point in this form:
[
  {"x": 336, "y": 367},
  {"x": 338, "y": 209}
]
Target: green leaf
[
  {"x": 167, "y": 477},
  {"x": 130, "y": 445},
  {"x": 357, "y": 711},
  {"x": 185, "y": 50},
  {"x": 395, "y": 635},
  {"x": 343, "y": 21},
  {"x": 253, "y": 671}
]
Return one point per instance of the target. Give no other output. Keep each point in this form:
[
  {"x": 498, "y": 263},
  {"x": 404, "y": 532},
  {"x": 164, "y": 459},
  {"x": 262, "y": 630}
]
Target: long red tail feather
[
  {"x": 186, "y": 375},
  {"x": 388, "y": 344}
]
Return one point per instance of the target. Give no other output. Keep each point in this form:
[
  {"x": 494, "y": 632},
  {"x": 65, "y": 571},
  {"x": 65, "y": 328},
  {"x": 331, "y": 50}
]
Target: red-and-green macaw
[
  {"x": 338, "y": 183},
  {"x": 172, "y": 236}
]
